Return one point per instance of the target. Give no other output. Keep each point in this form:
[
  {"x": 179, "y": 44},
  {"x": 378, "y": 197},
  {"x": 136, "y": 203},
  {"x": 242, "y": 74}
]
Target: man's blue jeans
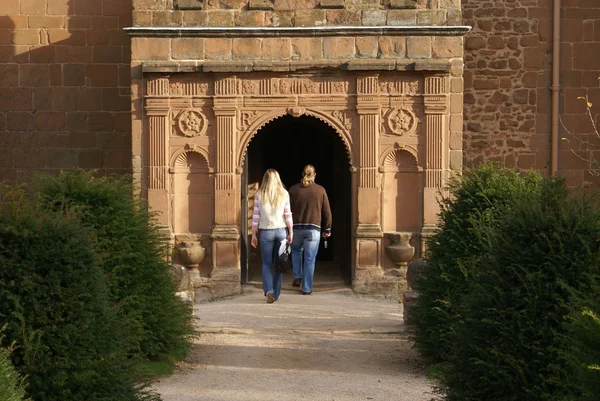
[
  {"x": 305, "y": 243},
  {"x": 269, "y": 243}
]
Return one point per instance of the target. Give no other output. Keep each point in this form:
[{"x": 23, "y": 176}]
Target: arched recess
[
  {"x": 402, "y": 194},
  {"x": 403, "y": 158},
  {"x": 192, "y": 191},
  {"x": 344, "y": 134}
]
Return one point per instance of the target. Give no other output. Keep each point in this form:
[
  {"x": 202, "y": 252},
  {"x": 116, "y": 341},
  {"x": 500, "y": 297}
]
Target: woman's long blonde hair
[
  {"x": 271, "y": 191},
  {"x": 308, "y": 175}
]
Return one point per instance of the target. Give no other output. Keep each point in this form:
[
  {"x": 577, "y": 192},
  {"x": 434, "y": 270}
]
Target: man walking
[{"x": 312, "y": 218}]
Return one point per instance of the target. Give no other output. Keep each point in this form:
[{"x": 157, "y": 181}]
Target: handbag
[
  {"x": 284, "y": 252},
  {"x": 284, "y": 255}
]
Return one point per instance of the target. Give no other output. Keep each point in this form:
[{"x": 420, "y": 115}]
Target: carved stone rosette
[
  {"x": 401, "y": 121},
  {"x": 191, "y": 123}
]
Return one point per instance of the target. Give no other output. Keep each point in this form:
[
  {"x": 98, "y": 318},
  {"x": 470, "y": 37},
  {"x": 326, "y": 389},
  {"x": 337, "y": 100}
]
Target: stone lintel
[
  {"x": 225, "y": 66},
  {"x": 313, "y": 31},
  {"x": 371, "y": 65},
  {"x": 234, "y": 66},
  {"x": 168, "y": 66},
  {"x": 430, "y": 65}
]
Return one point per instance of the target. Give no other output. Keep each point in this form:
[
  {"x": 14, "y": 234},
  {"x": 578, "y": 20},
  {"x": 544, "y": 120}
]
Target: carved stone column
[
  {"x": 368, "y": 230},
  {"x": 436, "y": 153},
  {"x": 225, "y": 235},
  {"x": 157, "y": 110}
]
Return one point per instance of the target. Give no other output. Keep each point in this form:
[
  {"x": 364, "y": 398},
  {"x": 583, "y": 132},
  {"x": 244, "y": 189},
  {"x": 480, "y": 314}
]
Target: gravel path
[{"x": 331, "y": 346}]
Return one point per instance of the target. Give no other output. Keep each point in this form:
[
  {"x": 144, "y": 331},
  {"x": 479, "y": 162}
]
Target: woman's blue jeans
[
  {"x": 305, "y": 243},
  {"x": 269, "y": 244}
]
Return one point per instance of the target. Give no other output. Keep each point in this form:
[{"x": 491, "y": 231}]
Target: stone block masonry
[
  {"x": 64, "y": 86},
  {"x": 300, "y": 13},
  {"x": 508, "y": 70}
]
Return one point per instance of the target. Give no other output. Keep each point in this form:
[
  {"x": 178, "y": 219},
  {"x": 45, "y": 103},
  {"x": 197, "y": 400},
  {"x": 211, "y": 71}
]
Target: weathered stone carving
[
  {"x": 191, "y": 253},
  {"x": 343, "y": 117},
  {"x": 247, "y": 117},
  {"x": 188, "y": 88},
  {"x": 400, "y": 250},
  {"x": 249, "y": 87},
  {"x": 292, "y": 86},
  {"x": 401, "y": 158},
  {"x": 401, "y": 121},
  {"x": 191, "y": 160},
  {"x": 191, "y": 123},
  {"x": 409, "y": 87},
  {"x": 412, "y": 88},
  {"x": 296, "y": 111}
]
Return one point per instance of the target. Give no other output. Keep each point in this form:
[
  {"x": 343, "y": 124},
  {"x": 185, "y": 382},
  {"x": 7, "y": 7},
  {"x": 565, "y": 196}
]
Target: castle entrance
[{"x": 287, "y": 144}]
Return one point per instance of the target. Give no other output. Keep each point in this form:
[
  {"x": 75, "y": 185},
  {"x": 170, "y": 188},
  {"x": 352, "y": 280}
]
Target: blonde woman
[
  {"x": 271, "y": 216},
  {"x": 312, "y": 213}
]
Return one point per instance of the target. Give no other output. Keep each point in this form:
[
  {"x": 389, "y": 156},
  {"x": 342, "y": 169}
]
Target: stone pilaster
[
  {"x": 157, "y": 110},
  {"x": 225, "y": 235},
  {"x": 368, "y": 229},
  {"x": 436, "y": 148}
]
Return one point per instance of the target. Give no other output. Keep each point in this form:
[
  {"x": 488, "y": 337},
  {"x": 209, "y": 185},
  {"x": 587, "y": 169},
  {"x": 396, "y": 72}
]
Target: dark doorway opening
[{"x": 287, "y": 144}]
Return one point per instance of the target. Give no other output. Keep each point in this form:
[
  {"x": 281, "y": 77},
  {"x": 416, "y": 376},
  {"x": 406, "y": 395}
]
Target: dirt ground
[{"x": 330, "y": 346}]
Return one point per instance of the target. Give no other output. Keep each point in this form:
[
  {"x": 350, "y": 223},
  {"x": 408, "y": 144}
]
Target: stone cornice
[
  {"x": 238, "y": 66},
  {"x": 317, "y": 31}
]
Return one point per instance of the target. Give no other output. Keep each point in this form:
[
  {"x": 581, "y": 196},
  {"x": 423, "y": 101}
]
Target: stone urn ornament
[
  {"x": 191, "y": 253},
  {"x": 400, "y": 250}
]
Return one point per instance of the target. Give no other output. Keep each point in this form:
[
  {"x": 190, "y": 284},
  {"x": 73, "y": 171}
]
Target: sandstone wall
[
  {"x": 288, "y": 13},
  {"x": 64, "y": 86},
  {"x": 508, "y": 69}
]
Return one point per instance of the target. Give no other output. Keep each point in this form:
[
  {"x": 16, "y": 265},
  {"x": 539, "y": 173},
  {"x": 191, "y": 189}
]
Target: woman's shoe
[
  {"x": 270, "y": 297},
  {"x": 306, "y": 293},
  {"x": 296, "y": 282}
]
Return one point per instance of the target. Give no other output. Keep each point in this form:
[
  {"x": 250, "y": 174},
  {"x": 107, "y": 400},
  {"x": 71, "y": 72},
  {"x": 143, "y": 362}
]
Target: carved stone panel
[
  {"x": 401, "y": 121},
  {"x": 191, "y": 123}
]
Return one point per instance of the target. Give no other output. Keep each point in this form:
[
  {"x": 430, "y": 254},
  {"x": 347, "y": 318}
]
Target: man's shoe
[
  {"x": 306, "y": 293},
  {"x": 296, "y": 282},
  {"x": 270, "y": 297}
]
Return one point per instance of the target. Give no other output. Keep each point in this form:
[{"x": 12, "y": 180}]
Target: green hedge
[
  {"x": 585, "y": 332},
  {"x": 517, "y": 341},
  {"x": 12, "y": 385},
  {"x": 69, "y": 342},
  {"x": 133, "y": 257},
  {"x": 455, "y": 250}
]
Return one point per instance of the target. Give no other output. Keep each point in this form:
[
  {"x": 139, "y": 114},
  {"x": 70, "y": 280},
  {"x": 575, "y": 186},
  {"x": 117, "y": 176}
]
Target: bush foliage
[
  {"x": 69, "y": 342},
  {"x": 12, "y": 386},
  {"x": 516, "y": 343},
  {"x": 510, "y": 297},
  {"x": 456, "y": 248},
  {"x": 133, "y": 257}
]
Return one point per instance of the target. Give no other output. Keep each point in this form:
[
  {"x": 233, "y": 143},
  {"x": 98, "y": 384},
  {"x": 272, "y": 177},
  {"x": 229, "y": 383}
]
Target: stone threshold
[
  {"x": 292, "y": 66},
  {"x": 316, "y": 31}
]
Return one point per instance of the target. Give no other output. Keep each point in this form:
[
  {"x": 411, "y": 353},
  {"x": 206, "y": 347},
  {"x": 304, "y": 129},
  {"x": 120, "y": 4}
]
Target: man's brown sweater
[{"x": 310, "y": 207}]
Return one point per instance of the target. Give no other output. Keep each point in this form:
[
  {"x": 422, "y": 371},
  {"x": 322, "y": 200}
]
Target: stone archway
[{"x": 287, "y": 144}]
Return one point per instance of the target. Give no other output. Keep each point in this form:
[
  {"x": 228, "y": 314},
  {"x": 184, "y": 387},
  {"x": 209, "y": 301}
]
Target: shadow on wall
[{"x": 64, "y": 87}]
